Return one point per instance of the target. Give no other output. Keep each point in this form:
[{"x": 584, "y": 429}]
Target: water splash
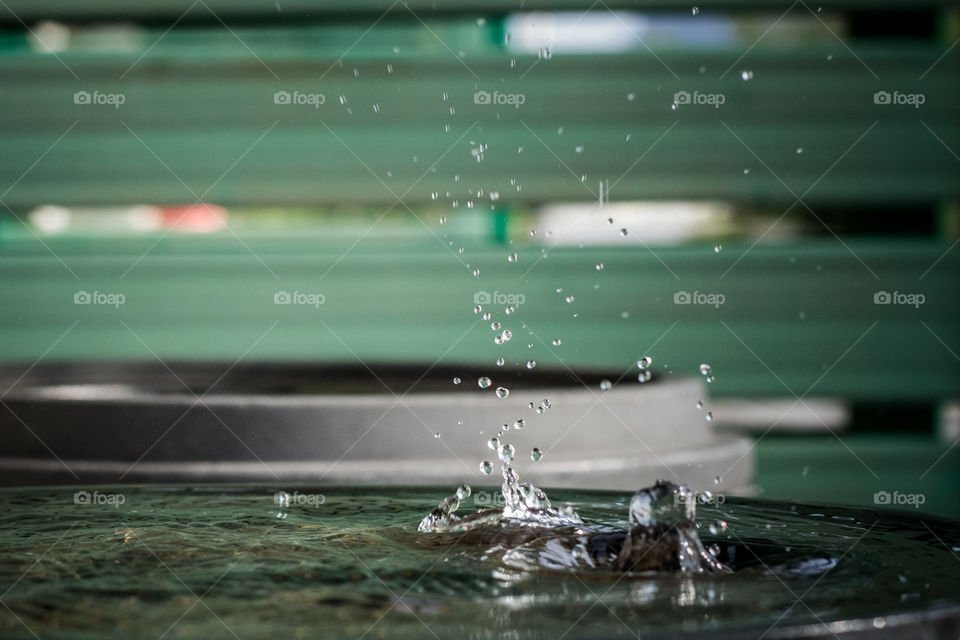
[{"x": 662, "y": 537}]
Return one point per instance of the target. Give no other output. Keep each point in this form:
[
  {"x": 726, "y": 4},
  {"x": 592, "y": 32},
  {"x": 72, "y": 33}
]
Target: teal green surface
[
  {"x": 200, "y": 122},
  {"x": 796, "y": 318},
  {"x": 851, "y": 468}
]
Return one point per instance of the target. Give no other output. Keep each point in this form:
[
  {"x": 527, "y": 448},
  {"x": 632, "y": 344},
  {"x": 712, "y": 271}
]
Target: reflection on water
[{"x": 205, "y": 562}]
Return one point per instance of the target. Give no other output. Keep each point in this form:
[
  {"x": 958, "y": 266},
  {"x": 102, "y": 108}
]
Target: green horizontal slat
[
  {"x": 416, "y": 302},
  {"x": 200, "y": 118},
  {"x": 261, "y": 9}
]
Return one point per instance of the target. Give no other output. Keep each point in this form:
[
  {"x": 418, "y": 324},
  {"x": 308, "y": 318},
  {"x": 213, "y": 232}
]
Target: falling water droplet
[
  {"x": 695, "y": 10},
  {"x": 644, "y": 376},
  {"x": 599, "y": 266},
  {"x": 746, "y": 74},
  {"x": 512, "y": 257},
  {"x": 705, "y": 369},
  {"x": 710, "y": 379},
  {"x": 518, "y": 424},
  {"x": 486, "y": 467},
  {"x": 531, "y": 364},
  {"x": 709, "y": 416},
  {"x": 569, "y": 299},
  {"x": 605, "y": 385},
  {"x": 506, "y": 335},
  {"x": 495, "y": 326},
  {"x": 699, "y": 404},
  {"x": 484, "y": 382},
  {"x": 456, "y": 381},
  {"x": 718, "y": 248},
  {"x": 799, "y": 150},
  {"x": 716, "y": 480},
  {"x": 536, "y": 454},
  {"x": 578, "y": 148},
  {"x": 557, "y": 342},
  {"x": 500, "y": 362},
  {"x": 493, "y": 443},
  {"x": 644, "y": 362},
  {"x": 506, "y": 452},
  {"x": 718, "y": 527},
  {"x": 436, "y": 435},
  {"x": 502, "y": 392},
  {"x": 623, "y": 232},
  {"x": 486, "y": 316}
]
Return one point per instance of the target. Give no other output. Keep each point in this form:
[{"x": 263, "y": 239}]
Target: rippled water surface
[{"x": 201, "y": 562}]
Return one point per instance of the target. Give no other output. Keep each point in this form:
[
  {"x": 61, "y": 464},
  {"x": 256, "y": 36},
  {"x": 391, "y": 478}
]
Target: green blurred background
[{"x": 200, "y": 158}]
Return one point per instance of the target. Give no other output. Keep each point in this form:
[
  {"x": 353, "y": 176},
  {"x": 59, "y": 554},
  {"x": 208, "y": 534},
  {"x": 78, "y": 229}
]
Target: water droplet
[
  {"x": 557, "y": 342},
  {"x": 509, "y": 309},
  {"x": 456, "y": 381},
  {"x": 512, "y": 257},
  {"x": 710, "y": 379},
  {"x": 623, "y": 232},
  {"x": 644, "y": 362},
  {"x": 486, "y": 316},
  {"x": 705, "y": 369},
  {"x": 673, "y": 106},
  {"x": 718, "y": 527},
  {"x": 531, "y": 364},
  {"x": 746, "y": 75},
  {"x": 695, "y": 10},
  {"x": 497, "y": 339},
  {"x": 716, "y": 480},
  {"x": 486, "y": 467},
  {"x": 436, "y": 435},
  {"x": 518, "y": 424},
  {"x": 709, "y": 416},
  {"x": 443, "y": 219},
  {"x": 493, "y": 443},
  {"x": 500, "y": 362},
  {"x": 644, "y": 376},
  {"x": 578, "y": 148},
  {"x": 495, "y": 326},
  {"x": 605, "y": 385},
  {"x": 502, "y": 392},
  {"x": 536, "y": 454},
  {"x": 476, "y": 273},
  {"x": 746, "y": 172},
  {"x": 569, "y": 299},
  {"x": 699, "y": 404},
  {"x": 484, "y": 382},
  {"x": 718, "y": 248},
  {"x": 599, "y": 266},
  {"x": 506, "y": 452},
  {"x": 799, "y": 150},
  {"x": 631, "y": 97},
  {"x": 481, "y": 22}
]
